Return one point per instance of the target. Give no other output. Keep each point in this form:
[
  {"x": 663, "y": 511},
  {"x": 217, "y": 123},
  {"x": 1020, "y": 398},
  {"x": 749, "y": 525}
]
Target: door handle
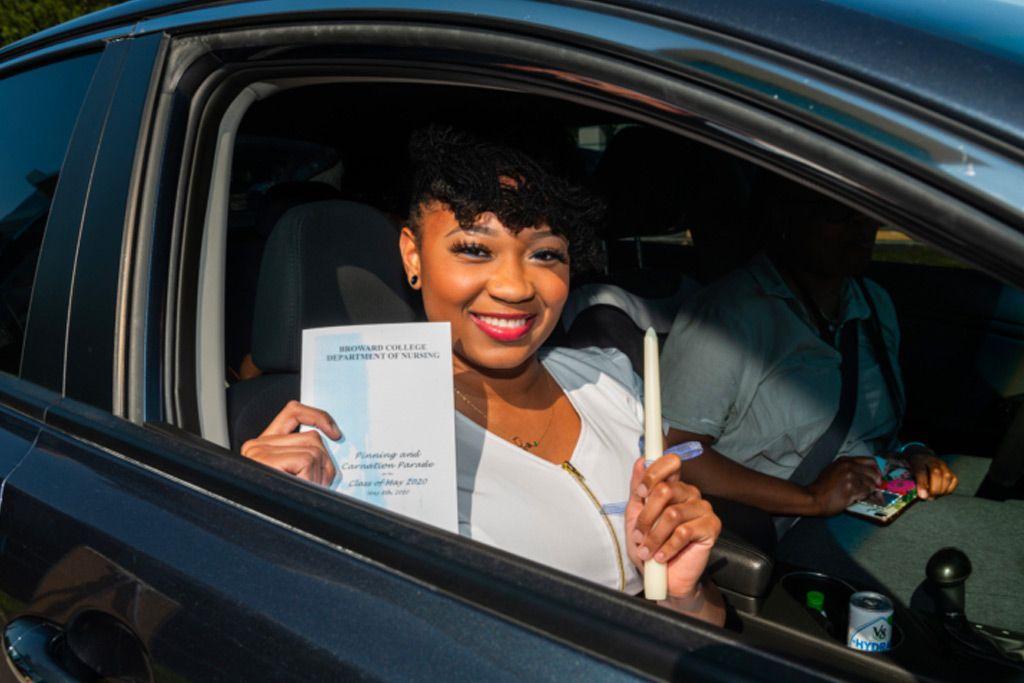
[
  {"x": 28, "y": 644},
  {"x": 94, "y": 645}
]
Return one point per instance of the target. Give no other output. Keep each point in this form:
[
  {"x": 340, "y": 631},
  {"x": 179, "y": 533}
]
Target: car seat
[
  {"x": 325, "y": 263},
  {"x": 644, "y": 175},
  {"x": 658, "y": 183},
  {"x": 246, "y": 241}
]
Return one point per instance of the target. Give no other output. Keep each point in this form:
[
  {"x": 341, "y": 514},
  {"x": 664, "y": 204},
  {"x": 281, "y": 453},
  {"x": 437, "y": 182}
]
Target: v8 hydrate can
[{"x": 870, "y": 626}]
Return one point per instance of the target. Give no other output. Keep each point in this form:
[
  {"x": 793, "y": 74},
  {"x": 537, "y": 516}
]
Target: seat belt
[
  {"x": 828, "y": 444},
  {"x": 874, "y": 331}
]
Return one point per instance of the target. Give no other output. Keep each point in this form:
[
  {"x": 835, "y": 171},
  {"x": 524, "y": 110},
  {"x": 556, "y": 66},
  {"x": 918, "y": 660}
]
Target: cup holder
[{"x": 833, "y": 617}]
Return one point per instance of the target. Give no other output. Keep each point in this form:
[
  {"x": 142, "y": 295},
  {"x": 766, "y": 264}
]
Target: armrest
[{"x": 743, "y": 560}]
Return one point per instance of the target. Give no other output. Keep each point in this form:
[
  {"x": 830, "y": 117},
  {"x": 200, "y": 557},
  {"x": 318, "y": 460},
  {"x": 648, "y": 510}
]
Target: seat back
[
  {"x": 325, "y": 263},
  {"x": 245, "y": 244}
]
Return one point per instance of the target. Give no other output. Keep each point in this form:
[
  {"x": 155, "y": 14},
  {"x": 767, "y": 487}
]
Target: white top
[
  {"x": 526, "y": 505},
  {"x": 768, "y": 383},
  {"x": 656, "y": 313}
]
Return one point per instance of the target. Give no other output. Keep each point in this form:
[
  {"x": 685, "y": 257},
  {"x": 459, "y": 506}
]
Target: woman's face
[{"x": 502, "y": 292}]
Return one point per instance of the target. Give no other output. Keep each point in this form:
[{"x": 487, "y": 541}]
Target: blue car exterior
[{"x": 148, "y": 553}]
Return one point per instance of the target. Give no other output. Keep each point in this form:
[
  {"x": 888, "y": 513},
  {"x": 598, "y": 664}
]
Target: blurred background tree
[{"x": 20, "y": 18}]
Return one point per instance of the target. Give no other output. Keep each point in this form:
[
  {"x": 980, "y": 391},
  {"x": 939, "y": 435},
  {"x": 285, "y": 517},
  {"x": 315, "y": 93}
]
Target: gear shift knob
[{"x": 947, "y": 571}]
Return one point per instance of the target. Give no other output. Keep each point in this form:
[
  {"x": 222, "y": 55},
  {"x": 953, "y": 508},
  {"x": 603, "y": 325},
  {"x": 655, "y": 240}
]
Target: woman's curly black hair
[{"x": 472, "y": 175}]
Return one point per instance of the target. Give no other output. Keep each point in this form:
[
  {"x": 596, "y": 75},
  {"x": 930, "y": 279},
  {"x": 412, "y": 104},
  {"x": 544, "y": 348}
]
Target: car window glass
[
  {"x": 592, "y": 137},
  {"x": 34, "y": 135},
  {"x": 895, "y": 246}
]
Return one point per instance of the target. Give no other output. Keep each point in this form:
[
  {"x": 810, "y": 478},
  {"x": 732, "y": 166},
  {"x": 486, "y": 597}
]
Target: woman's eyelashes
[
  {"x": 473, "y": 250},
  {"x": 478, "y": 251},
  {"x": 550, "y": 255}
]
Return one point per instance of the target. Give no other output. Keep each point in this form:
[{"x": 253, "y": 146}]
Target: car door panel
[
  {"x": 23, "y": 407},
  {"x": 214, "y": 591},
  {"x": 16, "y": 436}
]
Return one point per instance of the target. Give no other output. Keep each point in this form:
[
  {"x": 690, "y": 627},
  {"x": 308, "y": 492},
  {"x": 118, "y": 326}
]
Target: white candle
[{"x": 655, "y": 573}]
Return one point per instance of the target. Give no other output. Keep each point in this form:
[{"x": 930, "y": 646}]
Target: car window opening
[{"x": 681, "y": 217}]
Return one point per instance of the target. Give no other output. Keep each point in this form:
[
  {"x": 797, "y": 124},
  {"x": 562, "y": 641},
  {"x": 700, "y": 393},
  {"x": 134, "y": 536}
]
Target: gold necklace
[{"x": 525, "y": 445}]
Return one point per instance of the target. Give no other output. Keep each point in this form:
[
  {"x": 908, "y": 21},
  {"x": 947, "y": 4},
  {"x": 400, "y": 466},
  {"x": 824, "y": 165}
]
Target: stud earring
[{"x": 414, "y": 280}]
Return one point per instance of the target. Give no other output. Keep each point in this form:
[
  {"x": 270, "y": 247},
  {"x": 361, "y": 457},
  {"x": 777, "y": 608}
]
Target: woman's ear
[{"x": 410, "y": 257}]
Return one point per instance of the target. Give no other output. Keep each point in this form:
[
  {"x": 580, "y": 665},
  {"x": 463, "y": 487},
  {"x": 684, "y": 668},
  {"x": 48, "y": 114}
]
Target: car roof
[{"x": 961, "y": 57}]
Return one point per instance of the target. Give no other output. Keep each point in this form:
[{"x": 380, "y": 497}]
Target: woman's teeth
[{"x": 509, "y": 323}]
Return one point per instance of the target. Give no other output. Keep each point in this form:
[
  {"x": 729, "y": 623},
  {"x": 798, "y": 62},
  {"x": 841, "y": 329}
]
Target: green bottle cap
[{"x": 816, "y": 600}]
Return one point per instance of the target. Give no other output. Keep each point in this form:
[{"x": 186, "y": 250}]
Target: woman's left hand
[{"x": 669, "y": 521}]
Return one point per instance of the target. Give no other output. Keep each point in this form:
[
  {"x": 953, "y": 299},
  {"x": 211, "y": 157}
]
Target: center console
[{"x": 804, "y": 614}]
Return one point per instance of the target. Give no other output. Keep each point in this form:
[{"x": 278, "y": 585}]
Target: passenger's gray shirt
[{"x": 745, "y": 365}]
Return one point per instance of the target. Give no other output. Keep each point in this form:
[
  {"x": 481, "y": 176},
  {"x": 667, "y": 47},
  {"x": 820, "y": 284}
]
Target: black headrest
[
  {"x": 645, "y": 175},
  {"x": 283, "y": 196},
  {"x": 326, "y": 263}
]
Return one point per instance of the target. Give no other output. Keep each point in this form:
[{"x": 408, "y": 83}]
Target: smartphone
[{"x": 895, "y": 494}]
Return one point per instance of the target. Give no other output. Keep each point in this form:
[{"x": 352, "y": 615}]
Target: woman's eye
[
  {"x": 551, "y": 256},
  {"x": 470, "y": 249}
]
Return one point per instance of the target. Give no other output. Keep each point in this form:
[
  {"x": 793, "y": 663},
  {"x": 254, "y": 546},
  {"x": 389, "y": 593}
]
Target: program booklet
[
  {"x": 895, "y": 495},
  {"x": 389, "y": 388}
]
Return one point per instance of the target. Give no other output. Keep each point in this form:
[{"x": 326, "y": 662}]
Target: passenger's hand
[
  {"x": 669, "y": 521},
  {"x": 842, "y": 483},
  {"x": 932, "y": 475},
  {"x": 299, "y": 453}
]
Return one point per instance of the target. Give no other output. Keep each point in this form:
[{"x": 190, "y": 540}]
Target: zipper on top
[{"x": 575, "y": 474}]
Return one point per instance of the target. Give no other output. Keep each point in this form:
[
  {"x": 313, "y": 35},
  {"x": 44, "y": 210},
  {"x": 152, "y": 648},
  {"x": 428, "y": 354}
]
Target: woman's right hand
[{"x": 299, "y": 453}]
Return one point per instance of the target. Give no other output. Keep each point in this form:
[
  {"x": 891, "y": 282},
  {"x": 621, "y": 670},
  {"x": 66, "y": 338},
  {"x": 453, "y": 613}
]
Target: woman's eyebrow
[
  {"x": 477, "y": 228},
  {"x": 541, "y": 234},
  {"x": 482, "y": 229}
]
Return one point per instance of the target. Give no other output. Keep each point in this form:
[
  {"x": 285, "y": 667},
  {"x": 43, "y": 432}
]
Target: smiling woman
[
  {"x": 491, "y": 284},
  {"x": 490, "y": 245},
  {"x": 481, "y": 233}
]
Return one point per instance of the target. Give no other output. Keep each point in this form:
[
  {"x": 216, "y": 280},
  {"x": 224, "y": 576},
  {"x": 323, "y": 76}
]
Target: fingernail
[
  {"x": 638, "y": 537},
  {"x": 644, "y": 552},
  {"x": 660, "y": 557},
  {"x": 641, "y": 491}
]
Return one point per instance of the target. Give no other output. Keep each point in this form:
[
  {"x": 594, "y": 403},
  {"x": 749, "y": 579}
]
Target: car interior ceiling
[{"x": 331, "y": 158}]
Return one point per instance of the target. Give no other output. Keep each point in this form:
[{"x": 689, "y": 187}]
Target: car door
[{"x": 114, "y": 568}]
